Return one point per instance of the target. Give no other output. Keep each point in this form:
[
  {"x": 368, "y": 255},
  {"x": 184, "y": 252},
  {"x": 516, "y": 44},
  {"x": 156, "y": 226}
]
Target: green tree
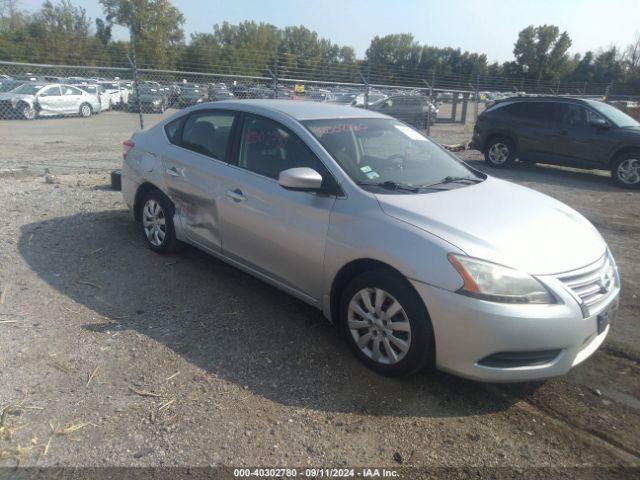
[
  {"x": 542, "y": 52},
  {"x": 156, "y": 26}
]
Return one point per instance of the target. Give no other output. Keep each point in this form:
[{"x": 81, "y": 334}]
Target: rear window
[{"x": 172, "y": 129}]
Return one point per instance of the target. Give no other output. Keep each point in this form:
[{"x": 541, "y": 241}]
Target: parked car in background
[
  {"x": 219, "y": 92},
  {"x": 103, "y": 98},
  {"x": 8, "y": 84},
  {"x": 151, "y": 99},
  {"x": 34, "y": 99},
  {"x": 372, "y": 98},
  {"x": 412, "y": 109},
  {"x": 342, "y": 98},
  {"x": 118, "y": 95},
  {"x": 190, "y": 94},
  {"x": 417, "y": 258},
  {"x": 563, "y": 131}
]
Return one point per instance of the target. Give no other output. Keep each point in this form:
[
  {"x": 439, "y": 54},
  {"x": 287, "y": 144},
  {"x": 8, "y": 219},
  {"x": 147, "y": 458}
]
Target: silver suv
[{"x": 418, "y": 258}]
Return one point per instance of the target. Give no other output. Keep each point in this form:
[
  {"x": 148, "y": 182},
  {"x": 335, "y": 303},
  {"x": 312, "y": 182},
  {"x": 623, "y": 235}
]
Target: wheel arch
[
  {"x": 347, "y": 273},
  {"x": 142, "y": 190},
  {"x": 622, "y": 151}
]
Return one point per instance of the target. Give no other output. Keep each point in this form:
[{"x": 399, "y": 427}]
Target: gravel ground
[{"x": 114, "y": 356}]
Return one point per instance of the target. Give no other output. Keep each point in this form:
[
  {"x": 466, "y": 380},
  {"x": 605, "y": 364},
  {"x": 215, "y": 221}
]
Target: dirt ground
[{"x": 114, "y": 356}]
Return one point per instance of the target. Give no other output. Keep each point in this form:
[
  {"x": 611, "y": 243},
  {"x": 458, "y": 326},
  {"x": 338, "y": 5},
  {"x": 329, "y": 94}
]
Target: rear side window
[
  {"x": 208, "y": 133},
  {"x": 172, "y": 129},
  {"x": 539, "y": 111}
]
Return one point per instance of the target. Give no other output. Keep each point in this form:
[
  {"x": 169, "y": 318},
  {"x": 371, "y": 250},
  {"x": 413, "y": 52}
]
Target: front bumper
[{"x": 468, "y": 330}]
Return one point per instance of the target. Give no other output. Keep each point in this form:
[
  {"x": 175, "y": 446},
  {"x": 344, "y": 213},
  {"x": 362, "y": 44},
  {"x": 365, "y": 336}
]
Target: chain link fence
[{"x": 30, "y": 91}]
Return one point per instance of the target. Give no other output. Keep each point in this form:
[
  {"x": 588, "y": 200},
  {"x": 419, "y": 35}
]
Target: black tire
[
  {"x": 421, "y": 351},
  {"x": 85, "y": 110},
  {"x": 116, "y": 180},
  {"x": 503, "y": 145},
  {"x": 27, "y": 111},
  {"x": 617, "y": 166},
  {"x": 169, "y": 243}
]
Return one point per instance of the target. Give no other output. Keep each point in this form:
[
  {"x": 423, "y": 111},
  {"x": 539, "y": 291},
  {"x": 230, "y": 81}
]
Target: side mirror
[
  {"x": 301, "y": 179},
  {"x": 599, "y": 124}
]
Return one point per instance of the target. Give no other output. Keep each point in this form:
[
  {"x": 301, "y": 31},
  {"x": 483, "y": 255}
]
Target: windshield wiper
[
  {"x": 451, "y": 179},
  {"x": 390, "y": 185}
]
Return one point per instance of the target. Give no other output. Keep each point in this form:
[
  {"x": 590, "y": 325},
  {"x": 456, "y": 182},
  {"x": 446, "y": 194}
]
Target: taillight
[{"x": 126, "y": 146}]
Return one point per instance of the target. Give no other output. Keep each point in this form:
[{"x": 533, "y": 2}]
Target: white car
[{"x": 33, "y": 99}]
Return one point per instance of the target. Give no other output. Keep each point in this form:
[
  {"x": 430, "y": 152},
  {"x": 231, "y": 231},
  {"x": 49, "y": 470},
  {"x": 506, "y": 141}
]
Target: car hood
[
  {"x": 16, "y": 96},
  {"x": 503, "y": 223}
]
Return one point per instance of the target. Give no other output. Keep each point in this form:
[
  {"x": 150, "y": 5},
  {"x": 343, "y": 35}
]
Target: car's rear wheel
[
  {"x": 85, "y": 110},
  {"x": 625, "y": 170},
  {"x": 500, "y": 152},
  {"x": 386, "y": 323},
  {"x": 156, "y": 214}
]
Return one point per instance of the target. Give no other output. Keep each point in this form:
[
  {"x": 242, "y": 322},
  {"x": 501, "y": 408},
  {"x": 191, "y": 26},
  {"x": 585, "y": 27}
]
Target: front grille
[{"x": 592, "y": 285}]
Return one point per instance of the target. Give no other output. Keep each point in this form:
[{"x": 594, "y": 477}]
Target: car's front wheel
[
  {"x": 386, "y": 323},
  {"x": 500, "y": 153},
  {"x": 626, "y": 170},
  {"x": 27, "y": 111},
  {"x": 156, "y": 215}
]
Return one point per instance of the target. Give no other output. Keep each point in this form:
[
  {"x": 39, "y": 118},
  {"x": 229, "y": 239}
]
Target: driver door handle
[{"x": 236, "y": 195}]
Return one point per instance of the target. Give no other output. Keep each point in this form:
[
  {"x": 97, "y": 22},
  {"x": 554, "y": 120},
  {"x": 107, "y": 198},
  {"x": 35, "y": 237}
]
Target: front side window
[
  {"x": 618, "y": 117},
  {"x": 67, "y": 90},
  {"x": 268, "y": 148},
  {"x": 376, "y": 152},
  {"x": 208, "y": 133},
  {"x": 51, "y": 92},
  {"x": 574, "y": 115}
]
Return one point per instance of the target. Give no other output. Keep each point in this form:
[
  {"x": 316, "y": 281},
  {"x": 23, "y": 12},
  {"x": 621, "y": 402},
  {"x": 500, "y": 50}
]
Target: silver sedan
[{"x": 418, "y": 258}]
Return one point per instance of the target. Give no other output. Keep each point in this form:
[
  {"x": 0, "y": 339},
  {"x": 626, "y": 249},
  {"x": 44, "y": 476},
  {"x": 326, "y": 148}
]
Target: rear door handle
[
  {"x": 236, "y": 195},
  {"x": 173, "y": 171}
]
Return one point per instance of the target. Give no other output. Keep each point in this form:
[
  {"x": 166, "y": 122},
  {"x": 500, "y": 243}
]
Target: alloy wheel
[
  {"x": 154, "y": 223},
  {"x": 498, "y": 153},
  {"x": 85, "y": 110},
  {"x": 379, "y": 325},
  {"x": 29, "y": 112},
  {"x": 629, "y": 171}
]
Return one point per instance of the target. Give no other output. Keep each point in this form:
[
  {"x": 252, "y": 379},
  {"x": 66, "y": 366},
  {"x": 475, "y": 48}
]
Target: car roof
[
  {"x": 298, "y": 109},
  {"x": 542, "y": 98}
]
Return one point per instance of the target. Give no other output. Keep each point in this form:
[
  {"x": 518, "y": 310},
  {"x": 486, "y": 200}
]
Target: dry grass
[
  {"x": 144, "y": 393},
  {"x": 3, "y": 294},
  {"x": 92, "y": 374},
  {"x": 69, "y": 428}
]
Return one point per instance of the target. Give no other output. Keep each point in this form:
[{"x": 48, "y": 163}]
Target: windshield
[
  {"x": 110, "y": 86},
  {"x": 618, "y": 117},
  {"x": 27, "y": 89},
  {"x": 379, "y": 151}
]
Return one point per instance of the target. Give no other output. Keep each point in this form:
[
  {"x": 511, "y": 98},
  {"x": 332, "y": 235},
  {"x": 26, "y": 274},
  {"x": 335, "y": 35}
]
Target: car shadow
[
  {"x": 228, "y": 323},
  {"x": 593, "y": 180}
]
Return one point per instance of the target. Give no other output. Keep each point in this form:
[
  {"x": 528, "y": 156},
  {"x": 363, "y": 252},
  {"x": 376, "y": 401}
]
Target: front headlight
[{"x": 495, "y": 283}]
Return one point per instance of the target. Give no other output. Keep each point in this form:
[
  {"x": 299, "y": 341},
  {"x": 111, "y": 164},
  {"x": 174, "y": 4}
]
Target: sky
[{"x": 483, "y": 26}]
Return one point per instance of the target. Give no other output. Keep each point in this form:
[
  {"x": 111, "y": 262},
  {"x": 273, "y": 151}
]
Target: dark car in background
[
  {"x": 189, "y": 95},
  {"x": 562, "y": 131},
  {"x": 151, "y": 99},
  {"x": 219, "y": 92},
  {"x": 412, "y": 109}
]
